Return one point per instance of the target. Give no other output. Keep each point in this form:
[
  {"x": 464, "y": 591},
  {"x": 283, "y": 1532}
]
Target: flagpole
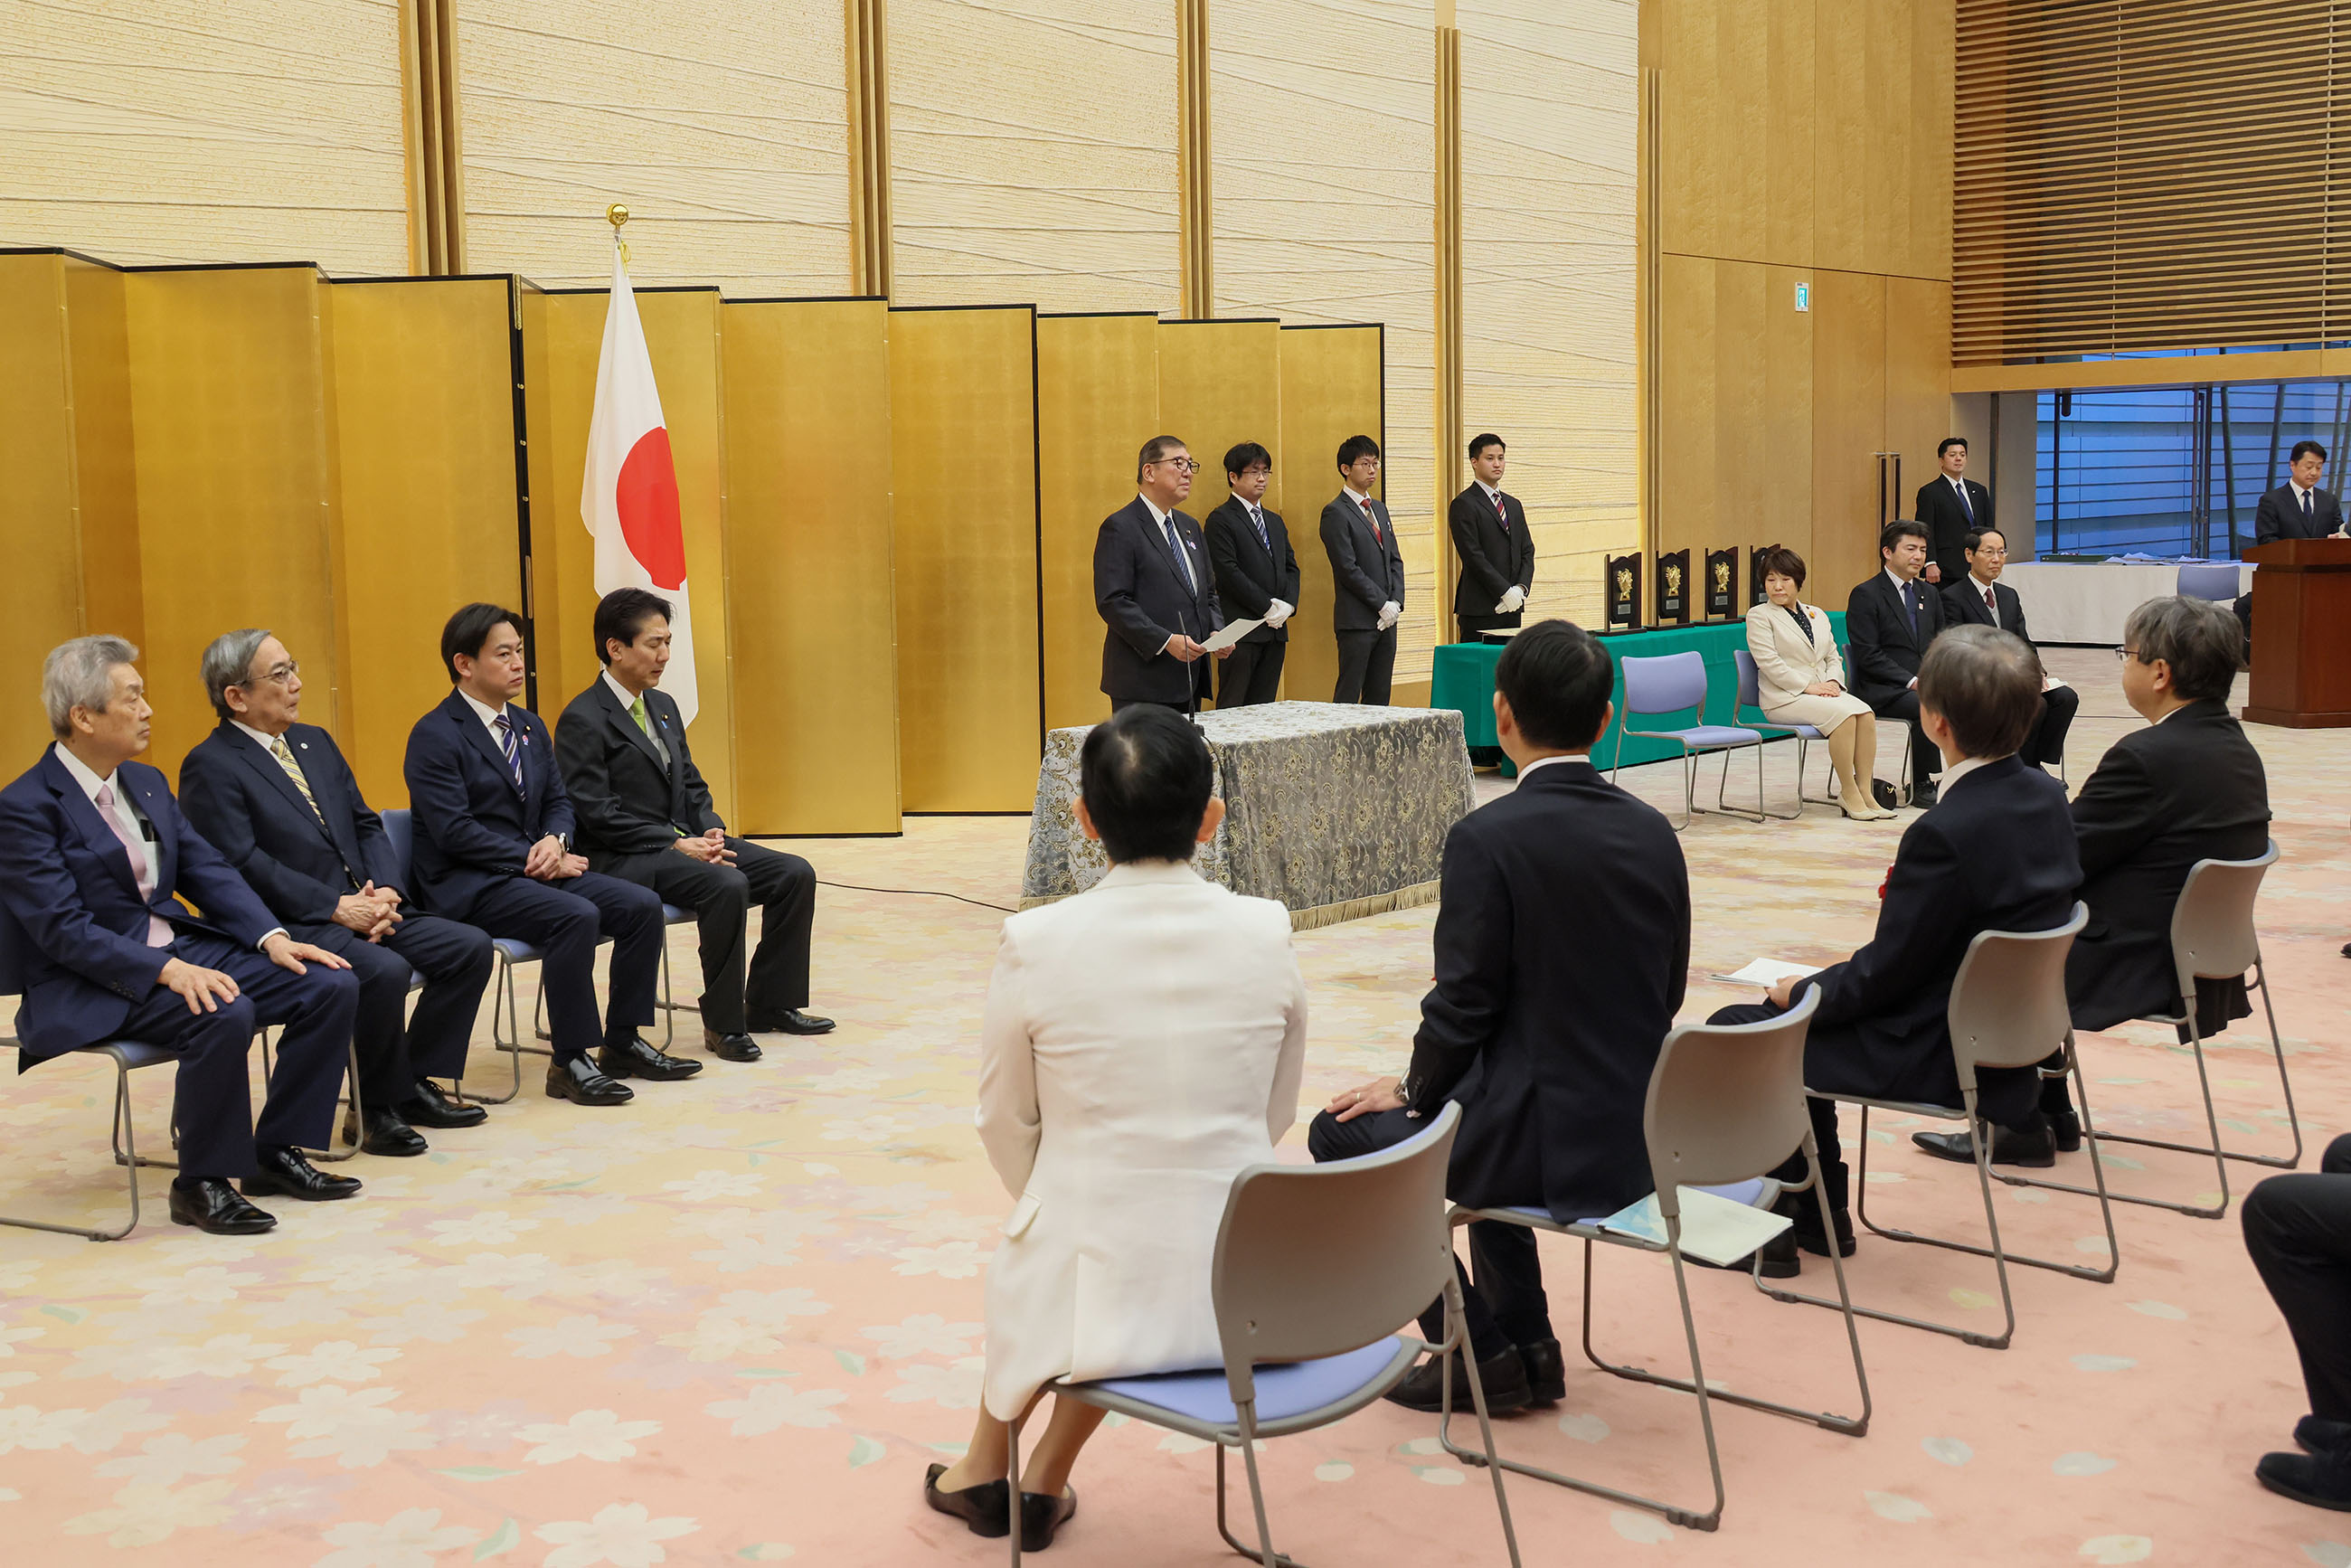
[{"x": 616, "y": 215}]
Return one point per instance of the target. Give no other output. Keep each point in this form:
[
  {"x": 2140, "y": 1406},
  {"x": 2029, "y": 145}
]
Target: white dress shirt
[
  {"x": 628, "y": 700},
  {"x": 128, "y": 815},
  {"x": 1959, "y": 771},
  {"x": 1555, "y": 757},
  {"x": 488, "y": 715}
]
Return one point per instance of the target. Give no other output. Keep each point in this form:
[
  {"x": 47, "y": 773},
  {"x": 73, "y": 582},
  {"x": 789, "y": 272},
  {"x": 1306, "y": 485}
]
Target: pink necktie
[
  {"x": 1370, "y": 517},
  {"x": 159, "y": 933},
  {"x": 1505, "y": 511}
]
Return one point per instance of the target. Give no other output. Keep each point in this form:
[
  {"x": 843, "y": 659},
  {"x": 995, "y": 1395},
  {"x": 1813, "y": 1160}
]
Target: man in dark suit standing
[
  {"x": 2299, "y": 509},
  {"x": 1366, "y": 577},
  {"x": 1995, "y": 854},
  {"x": 1980, "y": 599},
  {"x": 645, "y": 816},
  {"x": 277, "y": 799},
  {"x": 1888, "y": 623},
  {"x": 93, "y": 937},
  {"x": 1497, "y": 551},
  {"x": 494, "y": 849},
  {"x": 1257, "y": 578},
  {"x": 1562, "y": 948},
  {"x": 1154, "y": 588},
  {"x": 1952, "y": 506}
]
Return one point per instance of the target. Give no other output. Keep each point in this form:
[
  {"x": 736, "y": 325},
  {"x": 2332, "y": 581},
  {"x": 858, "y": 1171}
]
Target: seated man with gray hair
[
  {"x": 275, "y": 798},
  {"x": 93, "y": 852}
]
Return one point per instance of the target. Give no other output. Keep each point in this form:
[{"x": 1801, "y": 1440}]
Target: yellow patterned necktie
[{"x": 278, "y": 748}]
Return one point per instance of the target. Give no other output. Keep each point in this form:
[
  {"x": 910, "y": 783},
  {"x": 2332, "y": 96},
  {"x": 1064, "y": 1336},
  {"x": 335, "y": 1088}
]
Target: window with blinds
[{"x": 2144, "y": 175}]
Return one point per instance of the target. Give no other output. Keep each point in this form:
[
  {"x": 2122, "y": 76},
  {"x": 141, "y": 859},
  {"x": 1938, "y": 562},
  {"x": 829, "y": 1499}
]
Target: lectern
[{"x": 2302, "y": 633}]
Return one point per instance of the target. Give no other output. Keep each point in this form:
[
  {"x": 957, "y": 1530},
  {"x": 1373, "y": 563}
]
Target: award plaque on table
[
  {"x": 1721, "y": 583},
  {"x": 1674, "y": 589},
  {"x": 1624, "y": 592},
  {"x": 1755, "y": 594}
]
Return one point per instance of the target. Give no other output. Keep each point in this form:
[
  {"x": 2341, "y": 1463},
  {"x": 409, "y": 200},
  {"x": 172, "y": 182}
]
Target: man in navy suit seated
[
  {"x": 277, "y": 799},
  {"x": 93, "y": 853},
  {"x": 493, "y": 849}
]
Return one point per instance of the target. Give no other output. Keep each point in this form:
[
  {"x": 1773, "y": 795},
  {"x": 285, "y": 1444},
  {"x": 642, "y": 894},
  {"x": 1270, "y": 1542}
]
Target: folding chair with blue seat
[
  {"x": 1750, "y": 697},
  {"x": 2221, "y": 582},
  {"x": 128, "y": 1056},
  {"x": 1726, "y": 1105},
  {"x": 1672, "y": 683},
  {"x": 2007, "y": 1009},
  {"x": 1315, "y": 1265}
]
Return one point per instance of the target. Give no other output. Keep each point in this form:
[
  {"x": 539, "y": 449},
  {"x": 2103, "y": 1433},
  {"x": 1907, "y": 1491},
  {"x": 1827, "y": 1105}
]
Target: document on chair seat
[
  {"x": 2049, "y": 683},
  {"x": 1714, "y": 1228},
  {"x": 1233, "y": 633},
  {"x": 1770, "y": 972}
]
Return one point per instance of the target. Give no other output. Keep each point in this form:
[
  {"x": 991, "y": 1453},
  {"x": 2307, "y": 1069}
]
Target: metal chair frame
[
  {"x": 1744, "y": 663},
  {"x": 1692, "y": 751},
  {"x": 1796, "y": 1022},
  {"x": 123, "y": 1138},
  {"x": 1980, "y": 1011}
]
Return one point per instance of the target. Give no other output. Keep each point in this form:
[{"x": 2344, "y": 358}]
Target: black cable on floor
[{"x": 918, "y": 892}]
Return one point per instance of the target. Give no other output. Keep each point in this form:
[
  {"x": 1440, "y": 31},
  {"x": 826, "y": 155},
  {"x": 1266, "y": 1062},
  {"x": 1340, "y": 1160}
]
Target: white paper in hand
[
  {"x": 1233, "y": 633},
  {"x": 1770, "y": 972}
]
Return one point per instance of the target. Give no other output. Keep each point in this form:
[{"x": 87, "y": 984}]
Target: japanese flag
[{"x": 629, "y": 496}]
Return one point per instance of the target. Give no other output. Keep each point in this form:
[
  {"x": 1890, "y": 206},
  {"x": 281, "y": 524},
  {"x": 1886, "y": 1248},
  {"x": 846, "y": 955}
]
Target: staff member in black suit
[
  {"x": 1366, "y": 577},
  {"x": 2299, "y": 509},
  {"x": 494, "y": 849},
  {"x": 2298, "y": 1232},
  {"x": 1888, "y": 623},
  {"x": 1995, "y": 855},
  {"x": 1257, "y": 578},
  {"x": 1952, "y": 506},
  {"x": 1498, "y": 551},
  {"x": 1155, "y": 589},
  {"x": 1562, "y": 946},
  {"x": 93, "y": 937},
  {"x": 1980, "y": 599},
  {"x": 645, "y": 816},
  {"x": 275, "y": 797}
]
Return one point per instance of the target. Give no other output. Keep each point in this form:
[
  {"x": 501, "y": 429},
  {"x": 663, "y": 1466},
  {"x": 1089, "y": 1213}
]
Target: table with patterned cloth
[{"x": 1336, "y": 809}]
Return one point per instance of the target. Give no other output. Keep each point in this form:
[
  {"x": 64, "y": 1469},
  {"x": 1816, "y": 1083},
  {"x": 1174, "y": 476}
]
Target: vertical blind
[{"x": 2144, "y": 175}]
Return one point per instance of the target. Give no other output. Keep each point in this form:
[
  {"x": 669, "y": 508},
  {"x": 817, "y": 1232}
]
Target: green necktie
[{"x": 637, "y": 712}]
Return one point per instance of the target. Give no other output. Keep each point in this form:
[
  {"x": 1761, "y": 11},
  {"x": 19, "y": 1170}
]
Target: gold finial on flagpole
[{"x": 616, "y": 215}]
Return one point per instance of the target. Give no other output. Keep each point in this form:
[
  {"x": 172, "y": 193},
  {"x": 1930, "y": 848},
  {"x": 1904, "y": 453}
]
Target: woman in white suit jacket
[
  {"x": 1141, "y": 1045},
  {"x": 1799, "y": 679}
]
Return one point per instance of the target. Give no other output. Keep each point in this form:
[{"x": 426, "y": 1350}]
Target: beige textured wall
[
  {"x": 723, "y": 126},
  {"x": 1323, "y": 132},
  {"x": 191, "y": 130},
  {"x": 1033, "y": 153},
  {"x": 1550, "y": 116}
]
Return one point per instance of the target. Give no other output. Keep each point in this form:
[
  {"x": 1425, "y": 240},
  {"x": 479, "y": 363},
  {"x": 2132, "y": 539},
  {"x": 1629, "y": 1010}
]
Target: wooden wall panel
[
  {"x": 39, "y": 534},
  {"x": 1849, "y": 406},
  {"x": 1330, "y": 391},
  {"x": 1738, "y": 128},
  {"x": 963, "y": 439},
  {"x": 1738, "y": 407},
  {"x": 1097, "y": 403},
  {"x": 809, "y": 545},
  {"x": 423, "y": 399},
  {"x": 106, "y": 478},
  {"x": 229, "y": 405},
  {"x": 1919, "y": 404}
]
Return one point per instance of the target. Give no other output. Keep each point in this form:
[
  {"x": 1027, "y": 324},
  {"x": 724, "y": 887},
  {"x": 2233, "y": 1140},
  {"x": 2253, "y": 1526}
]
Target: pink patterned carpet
[{"x": 733, "y": 1321}]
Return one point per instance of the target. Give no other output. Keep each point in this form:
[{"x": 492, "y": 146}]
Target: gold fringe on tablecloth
[{"x": 1322, "y": 914}]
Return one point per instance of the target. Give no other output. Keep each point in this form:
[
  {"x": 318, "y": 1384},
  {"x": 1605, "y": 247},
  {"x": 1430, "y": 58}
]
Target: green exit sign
[{"x": 1803, "y": 297}]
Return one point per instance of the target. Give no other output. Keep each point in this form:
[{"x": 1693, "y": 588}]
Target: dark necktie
[
  {"x": 507, "y": 744},
  {"x": 1504, "y": 511},
  {"x": 1262, "y": 537},
  {"x": 2306, "y": 508},
  {"x": 1965, "y": 506},
  {"x": 1370, "y": 517},
  {"x": 1911, "y": 608},
  {"x": 1176, "y": 545},
  {"x": 1993, "y": 605}
]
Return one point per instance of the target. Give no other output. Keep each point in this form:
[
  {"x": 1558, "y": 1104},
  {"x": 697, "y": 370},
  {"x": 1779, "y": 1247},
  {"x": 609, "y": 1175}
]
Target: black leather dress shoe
[
  {"x": 581, "y": 1083},
  {"x": 1780, "y": 1259},
  {"x": 2065, "y": 1128},
  {"x": 1041, "y": 1515},
  {"x": 2319, "y": 1435},
  {"x": 1503, "y": 1375},
  {"x": 1924, "y": 796},
  {"x": 637, "y": 1057},
  {"x": 212, "y": 1205},
  {"x": 388, "y": 1133},
  {"x": 431, "y": 1108},
  {"x": 792, "y": 1020},
  {"x": 730, "y": 1047},
  {"x": 2034, "y": 1147},
  {"x": 286, "y": 1173},
  {"x": 1885, "y": 794},
  {"x": 1546, "y": 1372},
  {"x": 986, "y": 1509},
  {"x": 2322, "y": 1480}
]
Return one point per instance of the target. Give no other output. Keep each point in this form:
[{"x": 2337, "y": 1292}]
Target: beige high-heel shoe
[{"x": 1860, "y": 808}]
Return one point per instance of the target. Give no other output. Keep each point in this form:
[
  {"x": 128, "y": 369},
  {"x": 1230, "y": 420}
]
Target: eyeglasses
[
  {"x": 1181, "y": 464},
  {"x": 280, "y": 675},
  {"x": 2122, "y": 653}
]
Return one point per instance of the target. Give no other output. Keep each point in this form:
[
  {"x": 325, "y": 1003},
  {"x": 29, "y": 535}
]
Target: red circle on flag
[{"x": 646, "y": 499}]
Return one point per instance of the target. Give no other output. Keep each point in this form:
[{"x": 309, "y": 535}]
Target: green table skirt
[{"x": 1463, "y": 679}]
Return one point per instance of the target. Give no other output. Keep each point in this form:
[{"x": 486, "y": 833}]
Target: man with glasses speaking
[{"x": 1156, "y": 588}]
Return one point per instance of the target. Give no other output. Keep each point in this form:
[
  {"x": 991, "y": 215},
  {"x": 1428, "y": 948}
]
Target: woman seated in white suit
[
  {"x": 1141, "y": 1045},
  {"x": 1799, "y": 679}
]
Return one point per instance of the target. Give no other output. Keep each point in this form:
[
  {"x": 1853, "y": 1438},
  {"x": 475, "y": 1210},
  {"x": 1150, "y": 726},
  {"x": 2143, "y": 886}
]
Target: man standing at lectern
[
  {"x": 1155, "y": 589},
  {"x": 2297, "y": 509},
  {"x": 1498, "y": 553}
]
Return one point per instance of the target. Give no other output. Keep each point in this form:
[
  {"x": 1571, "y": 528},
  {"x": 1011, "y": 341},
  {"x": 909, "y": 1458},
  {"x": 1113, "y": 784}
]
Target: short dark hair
[
  {"x": 1947, "y": 443},
  {"x": 2301, "y": 446},
  {"x": 1155, "y": 450},
  {"x": 1986, "y": 684},
  {"x": 621, "y": 615},
  {"x": 2203, "y": 644},
  {"x": 1780, "y": 560},
  {"x": 1238, "y": 459},
  {"x": 1976, "y": 537},
  {"x": 469, "y": 629},
  {"x": 1894, "y": 532},
  {"x": 1356, "y": 447},
  {"x": 1479, "y": 443},
  {"x": 1145, "y": 777},
  {"x": 1557, "y": 679}
]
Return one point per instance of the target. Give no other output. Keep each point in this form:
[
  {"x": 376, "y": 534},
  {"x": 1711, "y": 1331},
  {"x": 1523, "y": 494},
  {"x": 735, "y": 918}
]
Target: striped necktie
[
  {"x": 507, "y": 744},
  {"x": 285, "y": 755}
]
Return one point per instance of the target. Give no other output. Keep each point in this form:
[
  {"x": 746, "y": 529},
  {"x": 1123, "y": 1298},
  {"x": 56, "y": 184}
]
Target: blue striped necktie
[{"x": 507, "y": 744}]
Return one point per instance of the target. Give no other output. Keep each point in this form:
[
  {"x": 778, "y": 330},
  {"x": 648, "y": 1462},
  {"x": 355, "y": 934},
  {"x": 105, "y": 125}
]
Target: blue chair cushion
[
  {"x": 1806, "y": 730},
  {"x": 513, "y": 950},
  {"x": 1704, "y": 734},
  {"x": 1281, "y": 1391},
  {"x": 673, "y": 916},
  {"x": 136, "y": 1053}
]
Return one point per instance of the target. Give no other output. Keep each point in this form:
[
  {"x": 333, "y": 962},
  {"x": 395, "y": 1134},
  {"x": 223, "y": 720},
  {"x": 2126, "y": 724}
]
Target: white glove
[
  {"x": 1278, "y": 612},
  {"x": 1512, "y": 602},
  {"x": 1388, "y": 613}
]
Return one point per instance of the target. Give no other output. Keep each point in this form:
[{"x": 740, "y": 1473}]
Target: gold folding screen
[
  {"x": 1331, "y": 389},
  {"x": 36, "y": 451}
]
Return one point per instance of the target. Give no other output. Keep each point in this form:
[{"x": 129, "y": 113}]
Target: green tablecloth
[{"x": 1463, "y": 679}]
